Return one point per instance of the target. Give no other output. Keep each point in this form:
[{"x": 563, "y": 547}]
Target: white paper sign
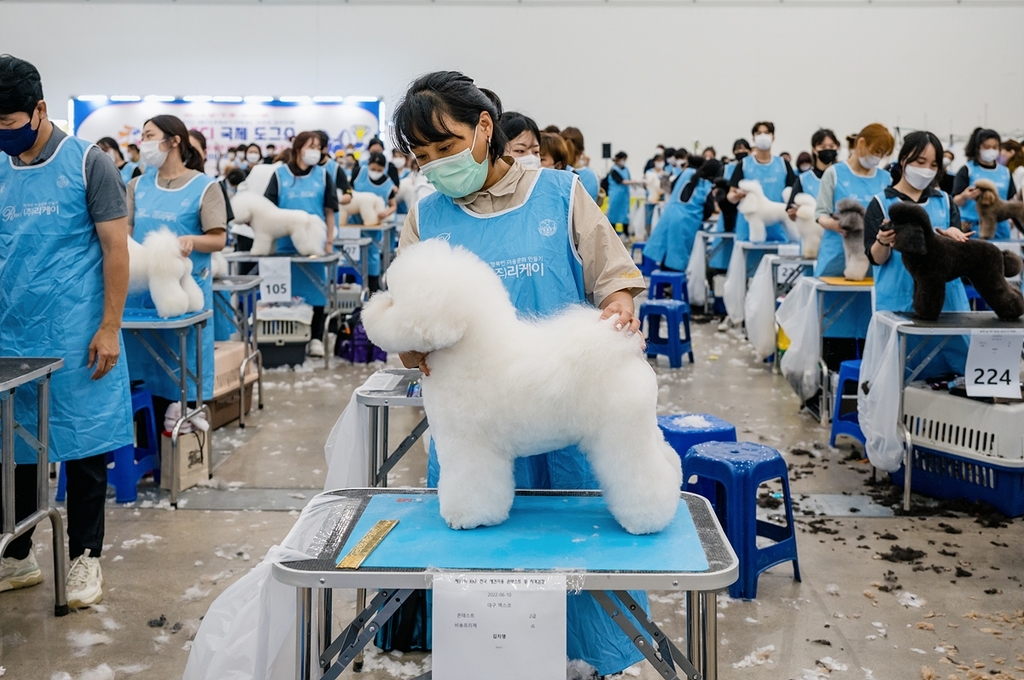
[
  {"x": 499, "y": 626},
  {"x": 993, "y": 364},
  {"x": 353, "y": 250},
  {"x": 276, "y": 283},
  {"x": 788, "y": 273},
  {"x": 789, "y": 250}
]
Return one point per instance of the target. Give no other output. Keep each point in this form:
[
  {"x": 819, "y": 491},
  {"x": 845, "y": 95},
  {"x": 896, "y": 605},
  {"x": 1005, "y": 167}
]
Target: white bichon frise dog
[
  {"x": 808, "y": 228},
  {"x": 158, "y": 266},
  {"x": 367, "y": 205},
  {"x": 269, "y": 223},
  {"x": 501, "y": 387}
]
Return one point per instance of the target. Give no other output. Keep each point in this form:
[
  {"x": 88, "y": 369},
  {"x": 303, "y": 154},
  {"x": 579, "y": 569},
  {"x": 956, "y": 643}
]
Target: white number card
[
  {"x": 499, "y": 626},
  {"x": 993, "y": 364},
  {"x": 353, "y": 250},
  {"x": 276, "y": 283},
  {"x": 788, "y": 273}
]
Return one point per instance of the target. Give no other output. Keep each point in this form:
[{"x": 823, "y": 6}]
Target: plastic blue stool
[
  {"x": 737, "y": 469},
  {"x": 683, "y": 437},
  {"x": 131, "y": 462},
  {"x": 661, "y": 281},
  {"x": 675, "y": 314},
  {"x": 646, "y": 264},
  {"x": 849, "y": 423}
]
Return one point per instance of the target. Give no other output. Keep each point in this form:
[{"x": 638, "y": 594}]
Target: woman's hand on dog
[
  {"x": 620, "y": 303},
  {"x": 415, "y": 360},
  {"x": 886, "y": 234},
  {"x": 186, "y": 245},
  {"x": 958, "y": 235}
]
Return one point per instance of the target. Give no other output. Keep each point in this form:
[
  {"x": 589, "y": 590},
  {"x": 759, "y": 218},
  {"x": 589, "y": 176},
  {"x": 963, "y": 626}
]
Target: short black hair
[
  {"x": 979, "y": 137},
  {"x": 21, "y": 88},
  {"x": 199, "y": 137},
  {"x": 377, "y": 158},
  {"x": 133, "y": 147},
  {"x": 821, "y": 135},
  {"x": 375, "y": 140},
  {"x": 324, "y": 139},
  {"x": 740, "y": 144},
  {"x": 768, "y": 124},
  {"x": 110, "y": 143},
  {"x": 235, "y": 177},
  {"x": 621, "y": 156},
  {"x": 419, "y": 119},
  {"x": 913, "y": 145},
  {"x": 514, "y": 124}
]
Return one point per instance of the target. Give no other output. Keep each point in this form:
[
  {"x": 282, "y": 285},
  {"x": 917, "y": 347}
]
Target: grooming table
[
  {"x": 15, "y": 372},
  {"x": 380, "y": 401},
  {"x": 383, "y": 242},
  {"x": 328, "y": 289},
  {"x": 349, "y": 242},
  {"x": 246, "y": 287},
  {"x": 847, "y": 293},
  {"x": 542, "y": 535},
  {"x": 138, "y": 322},
  {"x": 783, "y": 281}
]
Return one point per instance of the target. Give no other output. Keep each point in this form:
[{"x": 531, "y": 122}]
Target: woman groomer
[
  {"x": 127, "y": 169},
  {"x": 303, "y": 184},
  {"x": 373, "y": 178},
  {"x": 982, "y": 153},
  {"x": 491, "y": 205},
  {"x": 176, "y": 195}
]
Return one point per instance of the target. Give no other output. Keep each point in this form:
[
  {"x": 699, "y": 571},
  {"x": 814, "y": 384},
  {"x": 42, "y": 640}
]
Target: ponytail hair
[
  {"x": 979, "y": 137},
  {"x": 172, "y": 127}
]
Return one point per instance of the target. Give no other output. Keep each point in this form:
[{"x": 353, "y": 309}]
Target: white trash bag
[
  {"x": 346, "y": 449},
  {"x": 798, "y": 317},
  {"x": 759, "y": 309},
  {"x": 878, "y": 408},
  {"x": 696, "y": 271},
  {"x": 736, "y": 285}
]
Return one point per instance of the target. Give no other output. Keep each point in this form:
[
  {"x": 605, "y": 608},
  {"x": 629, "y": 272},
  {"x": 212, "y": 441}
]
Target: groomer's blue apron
[
  {"x": 384, "y": 189},
  {"x": 531, "y": 249},
  {"x": 178, "y": 210},
  {"x": 51, "y": 305},
  {"x": 304, "y": 193},
  {"x": 618, "y": 198},
  {"x": 672, "y": 240}
]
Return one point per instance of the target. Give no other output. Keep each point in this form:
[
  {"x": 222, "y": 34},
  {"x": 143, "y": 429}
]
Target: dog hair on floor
[
  {"x": 933, "y": 259},
  {"x": 992, "y": 209},
  {"x": 158, "y": 266},
  {"x": 269, "y": 223},
  {"x": 850, "y": 214},
  {"x": 502, "y": 387}
]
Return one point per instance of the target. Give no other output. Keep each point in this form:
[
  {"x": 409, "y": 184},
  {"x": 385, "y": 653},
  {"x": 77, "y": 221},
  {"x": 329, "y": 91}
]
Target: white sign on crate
[
  {"x": 276, "y": 279},
  {"x": 499, "y": 626},
  {"x": 993, "y": 363}
]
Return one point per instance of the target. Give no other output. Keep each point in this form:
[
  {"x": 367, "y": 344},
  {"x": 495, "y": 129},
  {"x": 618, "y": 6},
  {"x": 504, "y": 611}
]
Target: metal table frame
[
  {"x": 363, "y": 243},
  {"x": 314, "y": 581},
  {"x": 246, "y": 288},
  {"x": 386, "y": 228},
  {"x": 947, "y": 326},
  {"x": 181, "y": 326},
  {"x": 782, "y": 288},
  {"x": 709, "y": 253},
  {"x": 15, "y": 372},
  {"x": 843, "y": 303}
]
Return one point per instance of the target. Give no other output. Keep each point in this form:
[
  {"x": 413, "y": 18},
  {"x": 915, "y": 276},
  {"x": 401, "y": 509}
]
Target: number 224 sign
[{"x": 993, "y": 364}]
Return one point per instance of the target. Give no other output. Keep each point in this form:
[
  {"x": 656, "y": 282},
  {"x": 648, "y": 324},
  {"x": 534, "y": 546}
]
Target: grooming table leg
[
  {"x": 303, "y": 632},
  {"x": 663, "y": 658},
  {"x": 694, "y": 630},
  {"x": 359, "y": 633}
]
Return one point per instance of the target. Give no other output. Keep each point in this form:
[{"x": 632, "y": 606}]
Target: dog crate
[
  {"x": 349, "y": 297},
  {"x": 964, "y": 427},
  {"x": 283, "y": 334},
  {"x": 943, "y": 475}
]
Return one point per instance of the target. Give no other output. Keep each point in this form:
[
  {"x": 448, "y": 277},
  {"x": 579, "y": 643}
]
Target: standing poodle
[
  {"x": 992, "y": 209},
  {"x": 269, "y": 222},
  {"x": 158, "y": 266},
  {"x": 850, "y": 214},
  {"x": 502, "y": 387}
]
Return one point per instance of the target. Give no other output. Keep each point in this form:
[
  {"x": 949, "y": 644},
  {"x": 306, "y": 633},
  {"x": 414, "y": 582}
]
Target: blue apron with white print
[
  {"x": 365, "y": 184},
  {"x": 679, "y": 224},
  {"x": 590, "y": 182},
  {"x": 722, "y": 248},
  {"x": 657, "y": 243},
  {"x": 530, "y": 248},
  {"x": 51, "y": 305},
  {"x": 618, "y": 198},
  {"x": 810, "y": 183},
  {"x": 772, "y": 176},
  {"x": 894, "y": 290},
  {"x": 1000, "y": 176},
  {"x": 127, "y": 170},
  {"x": 179, "y": 211},
  {"x": 304, "y": 193}
]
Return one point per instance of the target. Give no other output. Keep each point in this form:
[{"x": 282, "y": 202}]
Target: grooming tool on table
[{"x": 367, "y": 544}]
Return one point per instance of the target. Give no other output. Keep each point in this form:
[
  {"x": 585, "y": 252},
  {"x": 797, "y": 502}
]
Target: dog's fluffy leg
[
  {"x": 166, "y": 290},
  {"x": 758, "y": 230},
  {"x": 262, "y": 243},
  {"x": 857, "y": 263},
  {"x": 477, "y": 484},
  {"x": 196, "y": 300}
]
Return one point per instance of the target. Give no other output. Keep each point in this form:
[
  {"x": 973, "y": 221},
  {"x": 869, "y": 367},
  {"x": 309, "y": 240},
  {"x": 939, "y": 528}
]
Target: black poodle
[{"x": 933, "y": 259}]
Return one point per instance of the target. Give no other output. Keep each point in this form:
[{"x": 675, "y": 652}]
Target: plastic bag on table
[
  {"x": 798, "y": 317},
  {"x": 759, "y": 310},
  {"x": 736, "y": 285},
  {"x": 346, "y": 448},
  {"x": 696, "y": 271},
  {"x": 638, "y": 221},
  {"x": 878, "y": 394}
]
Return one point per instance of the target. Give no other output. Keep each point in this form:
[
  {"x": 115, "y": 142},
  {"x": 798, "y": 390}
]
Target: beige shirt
[
  {"x": 213, "y": 213},
  {"x": 607, "y": 265}
]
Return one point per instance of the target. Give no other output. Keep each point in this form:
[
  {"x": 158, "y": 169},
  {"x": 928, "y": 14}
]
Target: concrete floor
[{"x": 959, "y": 613}]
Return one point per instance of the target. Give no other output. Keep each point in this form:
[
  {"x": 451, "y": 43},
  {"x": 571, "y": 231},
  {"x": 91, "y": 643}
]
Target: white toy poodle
[
  {"x": 269, "y": 223},
  {"x": 158, "y": 266},
  {"x": 501, "y": 387}
]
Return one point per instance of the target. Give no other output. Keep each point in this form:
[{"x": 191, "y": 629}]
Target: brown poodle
[
  {"x": 992, "y": 209},
  {"x": 934, "y": 259}
]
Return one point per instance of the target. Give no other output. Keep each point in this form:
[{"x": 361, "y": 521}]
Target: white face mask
[
  {"x": 659, "y": 165},
  {"x": 151, "y": 155},
  {"x": 398, "y": 162},
  {"x": 988, "y": 155},
  {"x": 375, "y": 175},
  {"x": 112, "y": 155},
  {"x": 311, "y": 156},
  {"x": 673, "y": 161},
  {"x": 530, "y": 162},
  {"x": 918, "y": 177},
  {"x": 231, "y": 154},
  {"x": 804, "y": 168},
  {"x": 946, "y": 162},
  {"x": 763, "y": 142},
  {"x": 870, "y": 162},
  {"x": 253, "y": 157}
]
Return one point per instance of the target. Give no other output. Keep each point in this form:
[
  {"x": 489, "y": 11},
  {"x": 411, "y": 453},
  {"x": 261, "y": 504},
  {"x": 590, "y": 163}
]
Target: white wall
[{"x": 633, "y": 76}]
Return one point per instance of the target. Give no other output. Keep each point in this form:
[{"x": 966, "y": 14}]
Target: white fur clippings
[
  {"x": 367, "y": 205},
  {"x": 158, "y": 266},
  {"x": 501, "y": 387},
  {"x": 307, "y": 232}
]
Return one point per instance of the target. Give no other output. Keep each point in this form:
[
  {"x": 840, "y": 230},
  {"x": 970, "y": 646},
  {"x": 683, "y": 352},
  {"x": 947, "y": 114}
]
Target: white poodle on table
[{"x": 502, "y": 387}]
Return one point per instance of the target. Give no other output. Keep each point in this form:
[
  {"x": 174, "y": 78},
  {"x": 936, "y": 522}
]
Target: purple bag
[{"x": 353, "y": 345}]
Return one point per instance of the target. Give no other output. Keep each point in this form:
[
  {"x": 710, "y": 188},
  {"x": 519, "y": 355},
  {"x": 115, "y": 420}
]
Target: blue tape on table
[{"x": 541, "y": 533}]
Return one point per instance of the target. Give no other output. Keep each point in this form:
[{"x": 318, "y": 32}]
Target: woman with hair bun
[{"x": 983, "y": 153}]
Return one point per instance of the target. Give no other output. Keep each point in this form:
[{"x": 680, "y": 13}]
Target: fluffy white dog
[
  {"x": 759, "y": 211},
  {"x": 158, "y": 266},
  {"x": 808, "y": 228},
  {"x": 269, "y": 223},
  {"x": 501, "y": 387},
  {"x": 367, "y": 205}
]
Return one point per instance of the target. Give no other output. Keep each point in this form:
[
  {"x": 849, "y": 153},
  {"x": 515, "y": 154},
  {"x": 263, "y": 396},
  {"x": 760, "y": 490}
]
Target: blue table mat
[{"x": 541, "y": 533}]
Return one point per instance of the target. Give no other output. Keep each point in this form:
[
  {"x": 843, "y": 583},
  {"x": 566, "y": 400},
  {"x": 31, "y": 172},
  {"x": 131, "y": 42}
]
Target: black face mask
[
  {"x": 740, "y": 155},
  {"x": 827, "y": 156}
]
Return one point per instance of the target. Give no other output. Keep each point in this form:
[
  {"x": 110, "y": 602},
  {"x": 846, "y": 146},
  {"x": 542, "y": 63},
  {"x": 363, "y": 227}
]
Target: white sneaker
[
  {"x": 15, "y": 574},
  {"x": 85, "y": 581},
  {"x": 315, "y": 349},
  {"x": 725, "y": 325}
]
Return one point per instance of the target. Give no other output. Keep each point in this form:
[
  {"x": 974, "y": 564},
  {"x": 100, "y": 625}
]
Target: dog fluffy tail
[{"x": 1012, "y": 264}]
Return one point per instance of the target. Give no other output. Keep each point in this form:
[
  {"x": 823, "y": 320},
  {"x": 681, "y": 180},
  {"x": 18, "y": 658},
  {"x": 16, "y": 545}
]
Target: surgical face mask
[
  {"x": 398, "y": 162},
  {"x": 946, "y": 162},
  {"x": 763, "y": 142},
  {"x": 311, "y": 156},
  {"x": 827, "y": 156},
  {"x": 659, "y": 165},
  {"x": 112, "y": 155},
  {"x": 151, "y": 155},
  {"x": 672, "y": 161},
  {"x": 988, "y": 155},
  {"x": 805, "y": 167},
  {"x": 375, "y": 175},
  {"x": 253, "y": 158},
  {"x": 530, "y": 162},
  {"x": 459, "y": 175},
  {"x": 17, "y": 142},
  {"x": 231, "y": 155},
  {"x": 870, "y": 162},
  {"x": 918, "y": 177}
]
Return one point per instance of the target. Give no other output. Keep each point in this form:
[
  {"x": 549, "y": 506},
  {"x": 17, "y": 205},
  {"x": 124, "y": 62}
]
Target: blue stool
[
  {"x": 674, "y": 345},
  {"x": 682, "y": 436},
  {"x": 737, "y": 469},
  {"x": 131, "y": 462},
  {"x": 661, "y": 281},
  {"x": 846, "y": 423},
  {"x": 646, "y": 264}
]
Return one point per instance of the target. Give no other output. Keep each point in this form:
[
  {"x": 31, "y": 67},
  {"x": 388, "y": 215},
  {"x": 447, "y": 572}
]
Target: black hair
[
  {"x": 740, "y": 143},
  {"x": 621, "y": 156},
  {"x": 913, "y": 145},
  {"x": 377, "y": 158},
  {"x": 375, "y": 140},
  {"x": 694, "y": 161},
  {"x": 199, "y": 137},
  {"x": 670, "y": 152},
  {"x": 235, "y": 177},
  {"x": 420, "y": 118},
  {"x": 133, "y": 147},
  {"x": 682, "y": 154},
  {"x": 110, "y": 143},
  {"x": 979, "y": 137},
  {"x": 21, "y": 88},
  {"x": 172, "y": 126},
  {"x": 324, "y": 139},
  {"x": 711, "y": 149},
  {"x": 821, "y": 135},
  {"x": 251, "y": 145},
  {"x": 271, "y": 146},
  {"x": 513, "y": 124},
  {"x": 768, "y": 124}
]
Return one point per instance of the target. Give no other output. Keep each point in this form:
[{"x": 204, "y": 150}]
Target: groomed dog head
[
  {"x": 989, "y": 193},
  {"x": 435, "y": 292},
  {"x": 242, "y": 206},
  {"x": 912, "y": 226},
  {"x": 754, "y": 199},
  {"x": 850, "y": 214},
  {"x": 805, "y": 204}
]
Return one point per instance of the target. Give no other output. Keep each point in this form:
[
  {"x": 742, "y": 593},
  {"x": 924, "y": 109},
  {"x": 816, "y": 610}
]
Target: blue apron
[
  {"x": 894, "y": 291},
  {"x": 810, "y": 183},
  {"x": 51, "y": 288},
  {"x": 306, "y": 194},
  {"x": 127, "y": 170},
  {"x": 618, "y": 198},
  {"x": 530, "y": 247},
  {"x": 178, "y": 210},
  {"x": 722, "y": 248},
  {"x": 590, "y": 182},
  {"x": 672, "y": 240},
  {"x": 331, "y": 168},
  {"x": 1000, "y": 176},
  {"x": 402, "y": 208},
  {"x": 772, "y": 176},
  {"x": 364, "y": 184},
  {"x": 831, "y": 256}
]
